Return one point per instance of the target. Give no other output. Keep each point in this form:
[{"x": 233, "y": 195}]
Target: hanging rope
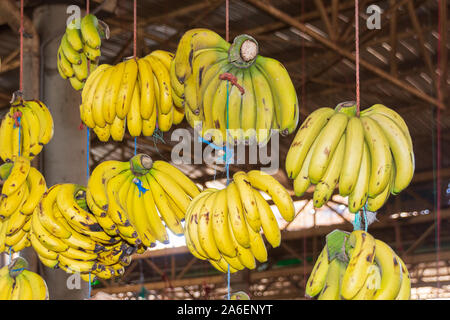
[
  {"x": 227, "y": 166},
  {"x": 357, "y": 222},
  {"x": 21, "y": 46},
  {"x": 358, "y": 99},
  {"x": 438, "y": 146},
  {"x": 88, "y": 143}
]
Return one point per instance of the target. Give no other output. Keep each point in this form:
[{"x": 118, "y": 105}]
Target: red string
[
  {"x": 357, "y": 56},
  {"x": 233, "y": 80},
  {"x": 227, "y": 20},
  {"x": 21, "y": 46},
  {"x": 135, "y": 28}
]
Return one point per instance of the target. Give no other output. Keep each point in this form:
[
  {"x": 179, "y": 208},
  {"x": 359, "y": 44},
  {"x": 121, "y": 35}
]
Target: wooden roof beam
[{"x": 345, "y": 53}]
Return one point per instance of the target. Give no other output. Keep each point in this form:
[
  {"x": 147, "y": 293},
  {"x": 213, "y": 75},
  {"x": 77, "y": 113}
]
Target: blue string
[
  {"x": 89, "y": 284},
  {"x": 227, "y": 168},
  {"x": 88, "y": 142},
  {"x": 135, "y": 145},
  {"x": 20, "y": 133},
  {"x": 358, "y": 220},
  {"x": 141, "y": 188}
]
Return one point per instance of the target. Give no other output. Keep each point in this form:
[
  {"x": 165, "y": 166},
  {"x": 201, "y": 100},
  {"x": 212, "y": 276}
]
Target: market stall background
[{"x": 405, "y": 49}]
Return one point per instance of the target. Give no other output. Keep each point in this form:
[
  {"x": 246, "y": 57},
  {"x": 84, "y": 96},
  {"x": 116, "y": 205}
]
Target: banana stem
[
  {"x": 17, "y": 98},
  {"x": 5, "y": 170},
  {"x": 17, "y": 266},
  {"x": 349, "y": 108},
  {"x": 243, "y": 51},
  {"x": 141, "y": 164}
]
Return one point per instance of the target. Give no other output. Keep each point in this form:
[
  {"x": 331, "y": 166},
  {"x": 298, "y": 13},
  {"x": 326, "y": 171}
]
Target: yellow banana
[
  {"x": 393, "y": 115},
  {"x": 359, "y": 195},
  {"x": 354, "y": 145},
  {"x": 99, "y": 95},
  {"x": 45, "y": 211},
  {"x": 237, "y": 216},
  {"x": 205, "y": 229},
  {"x": 69, "y": 52},
  {"x": 154, "y": 219},
  {"x": 110, "y": 99},
  {"x": 138, "y": 217},
  {"x": 361, "y": 259},
  {"x": 81, "y": 71},
  {"x": 220, "y": 226},
  {"x": 257, "y": 246},
  {"x": 187, "y": 184},
  {"x": 370, "y": 285},
  {"x": 245, "y": 255},
  {"x": 89, "y": 31},
  {"x": 163, "y": 205},
  {"x": 163, "y": 80},
  {"x": 118, "y": 129},
  {"x": 6, "y": 128},
  {"x": 173, "y": 188},
  {"x": 47, "y": 239},
  {"x": 37, "y": 186},
  {"x": 326, "y": 145},
  {"x": 74, "y": 214},
  {"x": 134, "y": 120},
  {"x": 401, "y": 151},
  {"x": 248, "y": 110},
  {"x": 268, "y": 221},
  {"x": 146, "y": 88},
  {"x": 192, "y": 41},
  {"x": 10, "y": 204},
  {"x": 64, "y": 65},
  {"x": 41, "y": 249},
  {"x": 405, "y": 287},
  {"x": 244, "y": 186},
  {"x": 391, "y": 274},
  {"x": 325, "y": 188},
  {"x": 284, "y": 94},
  {"x": 125, "y": 93},
  {"x": 265, "y": 182},
  {"x": 264, "y": 106},
  {"x": 380, "y": 155},
  {"x": 331, "y": 287},
  {"x": 100, "y": 176},
  {"x": 38, "y": 286},
  {"x": 74, "y": 35},
  {"x": 17, "y": 177},
  {"x": 317, "y": 278}
]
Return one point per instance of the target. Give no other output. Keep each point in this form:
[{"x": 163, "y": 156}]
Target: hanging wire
[
  {"x": 358, "y": 98},
  {"x": 227, "y": 166},
  {"x": 438, "y": 145},
  {"x": 357, "y": 222},
  {"x": 88, "y": 142}
]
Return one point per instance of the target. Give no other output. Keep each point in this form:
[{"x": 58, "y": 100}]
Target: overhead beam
[
  {"x": 344, "y": 52},
  {"x": 253, "y": 277}
]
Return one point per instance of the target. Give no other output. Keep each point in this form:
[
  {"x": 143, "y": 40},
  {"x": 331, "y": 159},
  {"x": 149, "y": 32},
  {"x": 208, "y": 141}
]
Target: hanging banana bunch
[
  {"x": 367, "y": 157},
  {"x": 23, "y": 187},
  {"x": 140, "y": 198},
  {"x": 356, "y": 266},
  {"x": 261, "y": 94},
  {"x": 65, "y": 234},
  {"x": 79, "y": 49},
  {"x": 135, "y": 94},
  {"x": 25, "y": 129},
  {"x": 18, "y": 283},
  {"x": 224, "y": 226}
]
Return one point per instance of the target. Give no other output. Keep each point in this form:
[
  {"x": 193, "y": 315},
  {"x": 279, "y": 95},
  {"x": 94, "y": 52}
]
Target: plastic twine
[
  {"x": 358, "y": 98},
  {"x": 88, "y": 142},
  {"x": 227, "y": 166}
]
